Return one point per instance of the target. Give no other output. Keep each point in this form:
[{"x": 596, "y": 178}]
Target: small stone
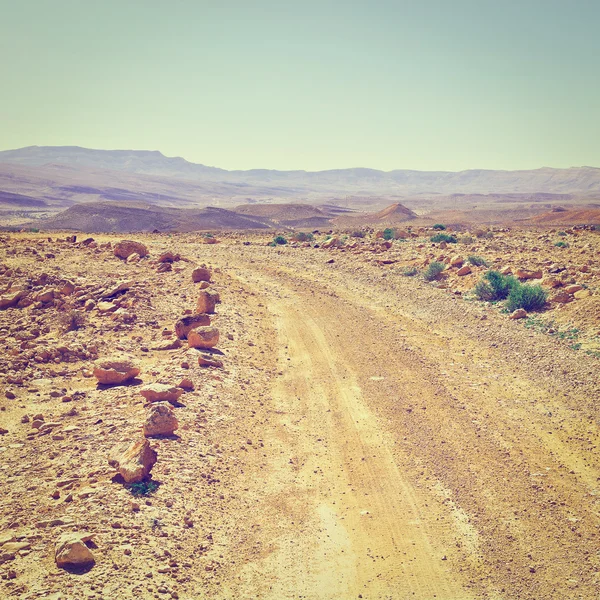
[
  {"x": 520, "y": 313},
  {"x": 186, "y": 324},
  {"x": 161, "y": 392},
  {"x": 207, "y": 301},
  {"x": 161, "y": 420},
  {"x": 115, "y": 370},
  {"x": 134, "y": 462},
  {"x": 201, "y": 274},
  {"x": 186, "y": 384},
  {"x": 125, "y": 248},
  {"x": 203, "y": 337},
  {"x": 71, "y": 550}
]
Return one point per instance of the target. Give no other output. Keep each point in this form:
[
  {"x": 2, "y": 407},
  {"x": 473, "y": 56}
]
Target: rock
[
  {"x": 122, "y": 286},
  {"x": 464, "y": 270},
  {"x": 186, "y": 324},
  {"x": 133, "y": 258},
  {"x": 443, "y": 245},
  {"x": 106, "y": 307},
  {"x": 115, "y": 370},
  {"x": 200, "y": 274},
  {"x": 207, "y": 301},
  {"x": 506, "y": 271},
  {"x": 71, "y": 551},
  {"x": 582, "y": 294},
  {"x": 89, "y": 305},
  {"x": 551, "y": 282},
  {"x": 66, "y": 288},
  {"x": 168, "y": 257},
  {"x": 10, "y": 299},
  {"x": 134, "y": 462},
  {"x": 161, "y": 392},
  {"x": 186, "y": 384},
  {"x": 209, "y": 360},
  {"x": 161, "y": 420},
  {"x": 561, "y": 298},
  {"x": 203, "y": 337},
  {"x": 520, "y": 313},
  {"x": 45, "y": 296},
  {"x": 125, "y": 248},
  {"x": 457, "y": 261},
  {"x": 524, "y": 274},
  {"x": 169, "y": 344},
  {"x": 571, "y": 289},
  {"x": 164, "y": 268}
]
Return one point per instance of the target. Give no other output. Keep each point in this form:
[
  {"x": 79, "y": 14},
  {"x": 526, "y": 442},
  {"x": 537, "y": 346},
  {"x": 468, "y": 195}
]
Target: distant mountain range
[{"x": 103, "y": 174}]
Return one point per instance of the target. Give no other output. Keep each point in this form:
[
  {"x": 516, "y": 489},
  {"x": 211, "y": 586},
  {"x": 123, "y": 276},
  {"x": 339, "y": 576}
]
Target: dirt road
[{"x": 418, "y": 450}]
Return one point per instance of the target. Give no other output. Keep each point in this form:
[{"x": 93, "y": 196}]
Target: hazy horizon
[
  {"x": 258, "y": 168},
  {"x": 428, "y": 86}
]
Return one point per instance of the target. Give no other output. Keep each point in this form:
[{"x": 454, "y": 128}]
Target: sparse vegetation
[
  {"x": 409, "y": 271},
  {"x": 389, "y": 234},
  {"x": 562, "y": 234},
  {"x": 143, "y": 488},
  {"x": 358, "y": 234},
  {"x": 443, "y": 237},
  {"x": 466, "y": 239},
  {"x": 433, "y": 271},
  {"x": 278, "y": 240},
  {"x": 477, "y": 261},
  {"x": 300, "y": 236},
  {"x": 494, "y": 286},
  {"x": 529, "y": 297},
  {"x": 439, "y": 227},
  {"x": 561, "y": 244},
  {"x": 71, "y": 320}
]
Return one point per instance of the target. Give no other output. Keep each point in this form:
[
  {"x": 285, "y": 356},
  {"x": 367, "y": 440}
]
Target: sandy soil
[{"x": 370, "y": 436}]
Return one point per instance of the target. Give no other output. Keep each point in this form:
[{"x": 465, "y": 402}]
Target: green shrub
[
  {"x": 143, "y": 488},
  {"x": 279, "y": 240},
  {"x": 477, "y": 261},
  {"x": 433, "y": 271},
  {"x": 439, "y": 227},
  {"x": 529, "y": 297},
  {"x": 561, "y": 234},
  {"x": 34, "y": 230},
  {"x": 561, "y": 244},
  {"x": 409, "y": 271},
  {"x": 389, "y": 234},
  {"x": 443, "y": 237},
  {"x": 495, "y": 286},
  {"x": 300, "y": 236}
]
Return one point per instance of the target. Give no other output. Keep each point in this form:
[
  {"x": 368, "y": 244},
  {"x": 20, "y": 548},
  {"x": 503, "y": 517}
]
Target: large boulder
[
  {"x": 186, "y": 324},
  {"x": 115, "y": 370},
  {"x": 160, "y": 420},
  {"x": 125, "y": 248},
  {"x": 161, "y": 392},
  {"x": 203, "y": 337},
  {"x": 201, "y": 274},
  {"x": 207, "y": 300},
  {"x": 71, "y": 551},
  {"x": 135, "y": 461}
]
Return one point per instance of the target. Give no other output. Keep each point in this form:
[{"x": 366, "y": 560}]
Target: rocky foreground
[{"x": 213, "y": 420}]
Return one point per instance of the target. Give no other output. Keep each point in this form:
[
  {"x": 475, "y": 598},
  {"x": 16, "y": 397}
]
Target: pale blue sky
[{"x": 429, "y": 84}]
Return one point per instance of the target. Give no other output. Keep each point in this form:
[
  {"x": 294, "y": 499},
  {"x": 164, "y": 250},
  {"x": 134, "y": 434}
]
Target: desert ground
[{"x": 355, "y": 432}]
